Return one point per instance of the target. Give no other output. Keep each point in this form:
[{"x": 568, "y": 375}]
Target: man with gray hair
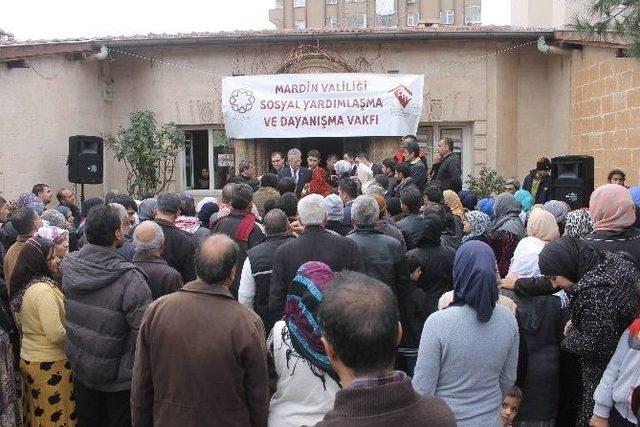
[
  {"x": 294, "y": 170},
  {"x": 148, "y": 240},
  {"x": 381, "y": 256},
  {"x": 314, "y": 244},
  {"x": 179, "y": 247},
  {"x": 255, "y": 279}
]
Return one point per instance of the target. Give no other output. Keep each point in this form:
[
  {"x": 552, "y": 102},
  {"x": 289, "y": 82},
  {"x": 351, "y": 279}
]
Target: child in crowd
[{"x": 511, "y": 406}]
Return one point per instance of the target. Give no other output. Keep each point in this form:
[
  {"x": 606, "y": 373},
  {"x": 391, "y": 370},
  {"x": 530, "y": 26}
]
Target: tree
[
  {"x": 148, "y": 151},
  {"x": 620, "y": 16},
  {"x": 487, "y": 184}
]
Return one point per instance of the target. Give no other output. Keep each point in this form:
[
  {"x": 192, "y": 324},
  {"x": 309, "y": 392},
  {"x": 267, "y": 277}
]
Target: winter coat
[
  {"x": 162, "y": 279},
  {"x": 201, "y": 361},
  {"x": 381, "y": 257},
  {"x": 179, "y": 250},
  {"x": 412, "y": 227},
  {"x": 450, "y": 173},
  {"x": 314, "y": 244},
  {"x": 627, "y": 241},
  {"x": 544, "y": 189},
  {"x": 105, "y": 300}
]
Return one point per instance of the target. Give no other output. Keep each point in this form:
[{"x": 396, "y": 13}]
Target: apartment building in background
[{"x": 303, "y": 14}]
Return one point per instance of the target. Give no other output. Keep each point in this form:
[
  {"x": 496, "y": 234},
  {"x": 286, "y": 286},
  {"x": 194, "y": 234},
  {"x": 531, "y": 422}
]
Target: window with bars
[
  {"x": 472, "y": 15},
  {"x": 330, "y": 1},
  {"x": 279, "y": 4},
  {"x": 300, "y": 24},
  {"x": 330, "y": 22},
  {"x": 446, "y": 16},
  {"x": 299, "y": 3}
]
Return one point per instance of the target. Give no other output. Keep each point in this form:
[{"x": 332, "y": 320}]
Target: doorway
[{"x": 326, "y": 146}]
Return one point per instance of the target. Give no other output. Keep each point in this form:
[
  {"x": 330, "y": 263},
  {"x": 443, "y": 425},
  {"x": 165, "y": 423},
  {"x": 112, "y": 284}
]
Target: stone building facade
[{"x": 503, "y": 102}]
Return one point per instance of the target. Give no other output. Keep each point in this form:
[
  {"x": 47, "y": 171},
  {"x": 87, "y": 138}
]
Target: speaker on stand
[
  {"x": 572, "y": 180},
  {"x": 85, "y": 161}
]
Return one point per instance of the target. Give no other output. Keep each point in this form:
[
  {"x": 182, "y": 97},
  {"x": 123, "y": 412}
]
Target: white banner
[{"x": 321, "y": 105}]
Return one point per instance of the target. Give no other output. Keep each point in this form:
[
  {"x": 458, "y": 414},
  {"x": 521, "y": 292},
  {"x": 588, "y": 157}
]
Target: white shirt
[{"x": 247, "y": 289}]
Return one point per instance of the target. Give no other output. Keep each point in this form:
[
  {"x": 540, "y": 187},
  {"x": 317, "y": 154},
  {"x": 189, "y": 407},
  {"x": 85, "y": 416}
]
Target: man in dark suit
[{"x": 301, "y": 175}]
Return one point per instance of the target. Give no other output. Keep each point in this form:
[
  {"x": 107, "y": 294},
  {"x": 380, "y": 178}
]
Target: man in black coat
[
  {"x": 255, "y": 280},
  {"x": 411, "y": 154},
  {"x": 538, "y": 182},
  {"x": 449, "y": 172},
  {"x": 247, "y": 175},
  {"x": 179, "y": 248},
  {"x": 381, "y": 256},
  {"x": 314, "y": 244},
  {"x": 240, "y": 225},
  {"x": 301, "y": 175}
]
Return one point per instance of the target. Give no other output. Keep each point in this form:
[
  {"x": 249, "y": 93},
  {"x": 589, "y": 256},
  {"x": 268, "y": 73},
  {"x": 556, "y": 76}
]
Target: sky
[{"x": 49, "y": 19}]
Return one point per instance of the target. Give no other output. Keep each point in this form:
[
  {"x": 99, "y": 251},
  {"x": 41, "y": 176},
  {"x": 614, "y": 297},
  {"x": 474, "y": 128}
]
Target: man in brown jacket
[
  {"x": 201, "y": 356},
  {"x": 362, "y": 354}
]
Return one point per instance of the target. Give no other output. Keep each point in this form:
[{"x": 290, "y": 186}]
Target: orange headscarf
[
  {"x": 612, "y": 208},
  {"x": 542, "y": 224}
]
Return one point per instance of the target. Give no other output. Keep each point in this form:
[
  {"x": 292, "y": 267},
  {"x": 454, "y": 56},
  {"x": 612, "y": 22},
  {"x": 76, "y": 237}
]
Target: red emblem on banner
[{"x": 402, "y": 94}]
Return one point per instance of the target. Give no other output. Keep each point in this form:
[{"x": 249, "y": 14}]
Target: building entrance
[{"x": 326, "y": 146}]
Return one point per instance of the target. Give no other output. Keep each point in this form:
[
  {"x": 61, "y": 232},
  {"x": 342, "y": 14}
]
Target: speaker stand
[{"x": 82, "y": 193}]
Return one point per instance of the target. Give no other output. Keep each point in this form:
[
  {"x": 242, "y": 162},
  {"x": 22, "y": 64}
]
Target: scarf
[
  {"x": 558, "y": 209},
  {"x": 568, "y": 257},
  {"x": 542, "y": 225},
  {"x": 147, "y": 209},
  {"x": 342, "y": 167},
  {"x": 487, "y": 206},
  {"x": 612, "y": 208},
  {"x": 507, "y": 211},
  {"x": 300, "y": 313},
  {"x": 578, "y": 223},
  {"x": 525, "y": 198},
  {"x": 246, "y": 226},
  {"x": 54, "y": 218},
  {"x": 635, "y": 195},
  {"x": 188, "y": 224},
  {"x": 474, "y": 279},
  {"x": 480, "y": 224},
  {"x": 31, "y": 264},
  {"x": 525, "y": 258},
  {"x": 469, "y": 199},
  {"x": 453, "y": 201},
  {"x": 205, "y": 212}
]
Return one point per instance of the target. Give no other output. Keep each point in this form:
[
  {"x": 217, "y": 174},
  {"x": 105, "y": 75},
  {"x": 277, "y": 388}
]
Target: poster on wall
[{"x": 322, "y": 105}]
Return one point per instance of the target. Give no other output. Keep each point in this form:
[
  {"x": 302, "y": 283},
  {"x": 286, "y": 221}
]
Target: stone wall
[{"x": 605, "y": 111}]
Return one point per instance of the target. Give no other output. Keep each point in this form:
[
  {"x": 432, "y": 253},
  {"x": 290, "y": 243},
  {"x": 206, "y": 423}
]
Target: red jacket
[{"x": 319, "y": 183}]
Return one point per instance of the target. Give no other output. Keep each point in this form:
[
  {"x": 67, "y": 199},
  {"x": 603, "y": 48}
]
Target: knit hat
[
  {"x": 334, "y": 206},
  {"x": 543, "y": 164},
  {"x": 54, "y": 218}
]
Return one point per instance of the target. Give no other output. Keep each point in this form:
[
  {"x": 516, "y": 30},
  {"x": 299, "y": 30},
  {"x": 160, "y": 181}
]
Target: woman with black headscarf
[
  {"x": 38, "y": 307},
  {"x": 468, "y": 352},
  {"x": 604, "y": 300}
]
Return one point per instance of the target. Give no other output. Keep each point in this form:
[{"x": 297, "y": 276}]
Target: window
[
  {"x": 472, "y": 15},
  {"x": 330, "y": 22},
  {"x": 330, "y": 1},
  {"x": 196, "y": 160},
  {"x": 355, "y": 1},
  {"x": 411, "y": 1},
  {"x": 429, "y": 135},
  {"x": 279, "y": 4},
  {"x": 208, "y": 160},
  {"x": 299, "y": 3},
  {"x": 300, "y": 24},
  {"x": 412, "y": 19},
  {"x": 355, "y": 20},
  {"x": 446, "y": 16}
]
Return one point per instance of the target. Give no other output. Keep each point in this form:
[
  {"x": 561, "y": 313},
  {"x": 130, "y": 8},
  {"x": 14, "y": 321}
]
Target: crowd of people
[{"x": 346, "y": 293}]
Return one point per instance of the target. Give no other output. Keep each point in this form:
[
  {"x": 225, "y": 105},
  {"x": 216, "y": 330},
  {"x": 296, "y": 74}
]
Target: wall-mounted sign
[{"x": 329, "y": 105}]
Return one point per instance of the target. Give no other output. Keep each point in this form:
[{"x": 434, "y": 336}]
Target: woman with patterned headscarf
[
  {"x": 479, "y": 223},
  {"x": 559, "y": 210},
  {"x": 578, "y": 223},
  {"x": 307, "y": 384},
  {"x": 614, "y": 215}
]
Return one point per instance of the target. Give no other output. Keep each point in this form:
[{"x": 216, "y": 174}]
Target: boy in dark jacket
[{"x": 538, "y": 182}]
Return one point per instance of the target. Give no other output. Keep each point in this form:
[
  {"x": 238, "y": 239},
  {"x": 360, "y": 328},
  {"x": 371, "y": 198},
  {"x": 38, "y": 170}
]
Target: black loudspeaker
[
  {"x": 85, "y": 159},
  {"x": 572, "y": 180}
]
